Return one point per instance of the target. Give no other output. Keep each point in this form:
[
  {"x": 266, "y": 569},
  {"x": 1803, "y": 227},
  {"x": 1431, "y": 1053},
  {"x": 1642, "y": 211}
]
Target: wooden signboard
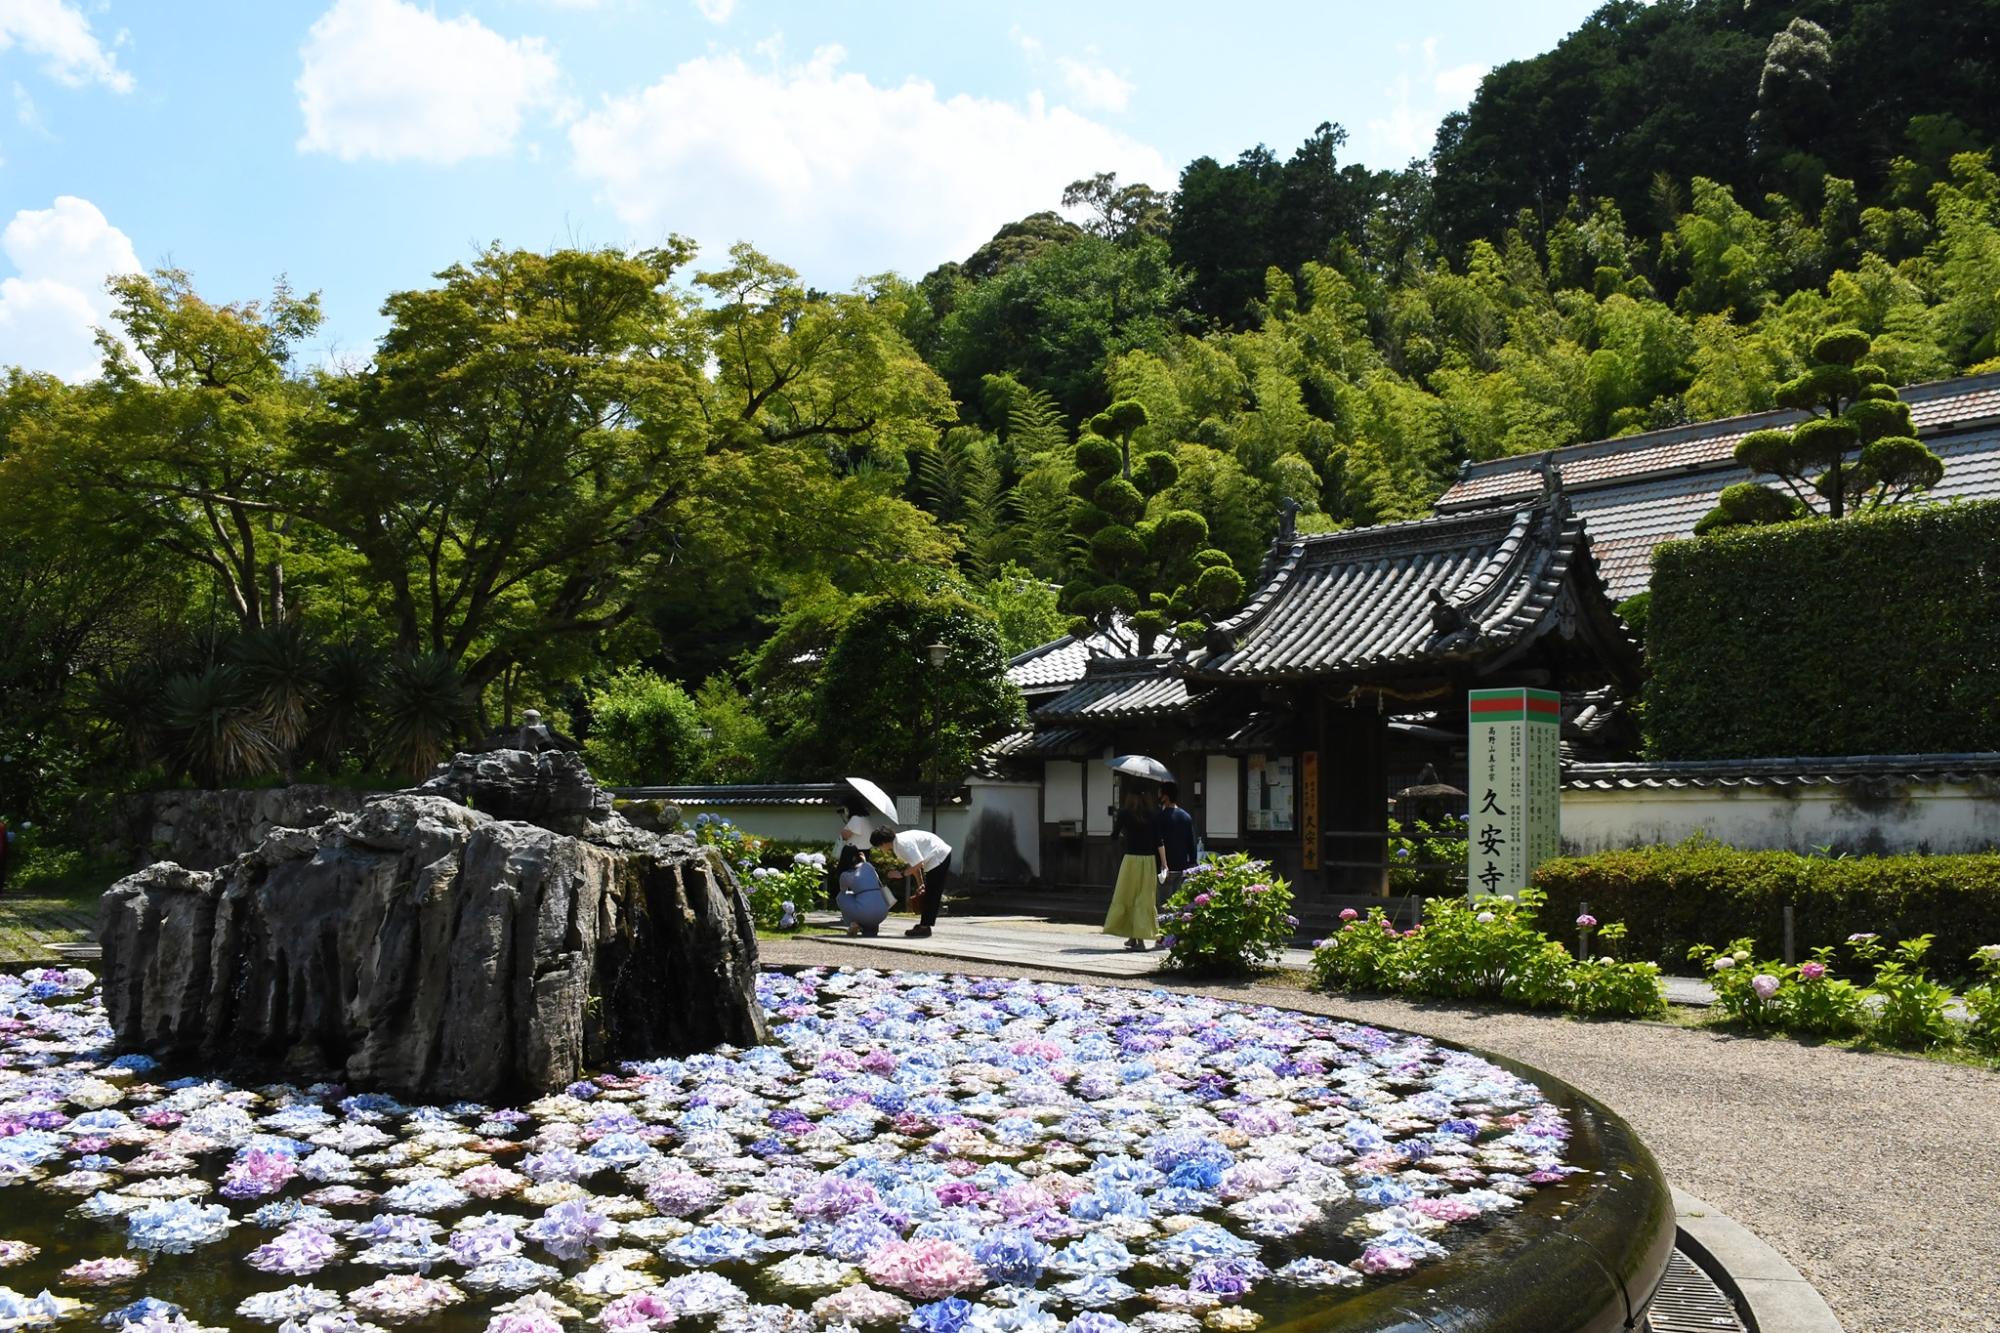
[{"x": 1309, "y": 809}]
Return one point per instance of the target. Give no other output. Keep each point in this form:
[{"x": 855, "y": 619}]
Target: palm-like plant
[
  {"x": 215, "y": 725},
  {"x": 129, "y": 700},
  {"x": 344, "y": 691},
  {"x": 279, "y": 667},
  {"x": 425, "y": 707}
]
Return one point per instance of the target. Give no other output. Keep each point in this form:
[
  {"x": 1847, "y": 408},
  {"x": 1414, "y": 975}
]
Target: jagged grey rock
[{"x": 440, "y": 950}]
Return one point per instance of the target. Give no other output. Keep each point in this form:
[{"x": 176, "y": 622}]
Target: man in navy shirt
[{"x": 1174, "y": 831}]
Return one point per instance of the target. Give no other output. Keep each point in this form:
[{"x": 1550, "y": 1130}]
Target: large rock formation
[
  {"x": 206, "y": 829},
  {"x": 496, "y": 931}
]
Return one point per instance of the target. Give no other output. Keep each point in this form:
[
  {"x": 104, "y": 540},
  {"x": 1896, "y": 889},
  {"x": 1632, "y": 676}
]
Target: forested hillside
[{"x": 218, "y": 564}]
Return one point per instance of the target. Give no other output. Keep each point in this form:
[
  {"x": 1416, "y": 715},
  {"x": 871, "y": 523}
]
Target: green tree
[
  {"x": 542, "y": 440},
  {"x": 185, "y": 442},
  {"x": 1026, "y": 610},
  {"x": 644, "y": 731},
  {"x": 880, "y": 708},
  {"x": 1851, "y": 411}
]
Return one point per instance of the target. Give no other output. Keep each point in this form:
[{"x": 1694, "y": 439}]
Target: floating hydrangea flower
[
  {"x": 17, "y": 1252},
  {"x": 927, "y": 1269},
  {"x": 102, "y": 1272},
  {"x": 861, "y": 1305},
  {"x": 403, "y": 1296},
  {"x": 569, "y": 1230},
  {"x": 294, "y": 1302},
  {"x": 176, "y": 1226},
  {"x": 298, "y": 1251}
]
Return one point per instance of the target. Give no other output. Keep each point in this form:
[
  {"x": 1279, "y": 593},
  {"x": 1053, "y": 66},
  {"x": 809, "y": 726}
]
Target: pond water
[{"x": 939, "y": 1154}]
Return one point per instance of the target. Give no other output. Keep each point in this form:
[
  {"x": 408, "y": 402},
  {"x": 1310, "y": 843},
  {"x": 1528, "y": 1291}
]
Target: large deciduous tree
[{"x": 545, "y": 443}]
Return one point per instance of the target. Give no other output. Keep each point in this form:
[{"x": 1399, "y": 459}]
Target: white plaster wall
[
  {"x": 1100, "y": 792},
  {"x": 1002, "y": 842},
  {"x": 1934, "y": 819}
]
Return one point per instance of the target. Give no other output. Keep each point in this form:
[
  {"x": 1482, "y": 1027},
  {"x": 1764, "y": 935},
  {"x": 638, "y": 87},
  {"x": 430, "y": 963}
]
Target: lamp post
[{"x": 937, "y": 653}]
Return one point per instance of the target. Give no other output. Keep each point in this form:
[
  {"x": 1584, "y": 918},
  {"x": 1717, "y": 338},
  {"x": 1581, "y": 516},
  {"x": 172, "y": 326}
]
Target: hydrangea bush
[
  {"x": 1900, "y": 1006},
  {"x": 1485, "y": 949},
  {"x": 1230, "y": 914},
  {"x": 942, "y": 1155}
]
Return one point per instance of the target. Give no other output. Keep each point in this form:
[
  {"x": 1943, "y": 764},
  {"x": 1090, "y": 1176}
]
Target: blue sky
[{"x": 357, "y": 146}]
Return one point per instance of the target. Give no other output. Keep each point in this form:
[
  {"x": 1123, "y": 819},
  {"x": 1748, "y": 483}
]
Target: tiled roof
[
  {"x": 790, "y": 793},
  {"x": 1852, "y": 770},
  {"x": 1061, "y": 663},
  {"x": 1045, "y": 743},
  {"x": 1345, "y": 602},
  {"x": 1123, "y": 690},
  {"x": 1638, "y": 491}
]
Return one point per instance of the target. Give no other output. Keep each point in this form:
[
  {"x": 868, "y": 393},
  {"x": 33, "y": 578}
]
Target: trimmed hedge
[
  {"x": 1706, "y": 893},
  {"x": 1870, "y": 635}
]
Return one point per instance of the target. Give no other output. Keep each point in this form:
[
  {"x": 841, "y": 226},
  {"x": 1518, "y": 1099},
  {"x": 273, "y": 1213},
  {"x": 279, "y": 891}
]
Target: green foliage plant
[
  {"x": 1745, "y": 986},
  {"x": 1910, "y": 1010},
  {"x": 1485, "y": 948},
  {"x": 1365, "y": 954},
  {"x": 1159, "y": 572},
  {"x": 1814, "y": 1001},
  {"x": 1982, "y": 1003},
  {"x": 1703, "y": 892},
  {"x": 1230, "y": 915},
  {"x": 1426, "y": 856},
  {"x": 644, "y": 729}
]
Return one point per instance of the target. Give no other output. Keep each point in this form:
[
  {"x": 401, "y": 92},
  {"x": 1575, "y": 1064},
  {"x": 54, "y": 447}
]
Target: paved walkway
[
  {"x": 1027, "y": 942},
  {"x": 31, "y": 927}
]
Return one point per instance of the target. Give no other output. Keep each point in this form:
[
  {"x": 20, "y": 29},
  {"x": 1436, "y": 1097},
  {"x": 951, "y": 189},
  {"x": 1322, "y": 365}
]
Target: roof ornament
[
  {"x": 1288, "y": 519},
  {"x": 1552, "y": 477},
  {"x": 1450, "y": 626}
]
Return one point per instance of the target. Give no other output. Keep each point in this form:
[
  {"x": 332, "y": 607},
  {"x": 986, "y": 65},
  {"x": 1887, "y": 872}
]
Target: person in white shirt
[{"x": 926, "y": 860}]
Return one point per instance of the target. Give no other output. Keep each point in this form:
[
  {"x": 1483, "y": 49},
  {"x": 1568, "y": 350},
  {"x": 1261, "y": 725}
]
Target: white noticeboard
[
  {"x": 1514, "y": 797},
  {"x": 1220, "y": 796}
]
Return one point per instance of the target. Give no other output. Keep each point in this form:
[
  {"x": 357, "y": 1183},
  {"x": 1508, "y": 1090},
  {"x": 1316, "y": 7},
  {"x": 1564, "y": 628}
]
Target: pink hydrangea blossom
[
  {"x": 1348, "y": 914},
  {"x": 1765, "y": 985},
  {"x": 926, "y": 1269},
  {"x": 1811, "y": 971}
]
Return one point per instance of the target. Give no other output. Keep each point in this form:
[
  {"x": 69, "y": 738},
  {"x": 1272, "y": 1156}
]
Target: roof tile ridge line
[
  {"x": 1799, "y": 763},
  {"x": 1389, "y": 535},
  {"x": 1040, "y": 651},
  {"x": 1476, "y": 593},
  {"x": 1617, "y": 444},
  {"x": 1583, "y": 552}
]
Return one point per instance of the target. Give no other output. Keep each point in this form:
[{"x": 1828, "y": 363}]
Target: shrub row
[
  {"x": 1870, "y": 635},
  {"x": 1701, "y": 892},
  {"x": 1487, "y": 949}
]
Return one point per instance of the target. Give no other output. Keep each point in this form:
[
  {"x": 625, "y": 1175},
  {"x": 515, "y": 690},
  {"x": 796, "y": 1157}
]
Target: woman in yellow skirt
[{"x": 1133, "y": 913}]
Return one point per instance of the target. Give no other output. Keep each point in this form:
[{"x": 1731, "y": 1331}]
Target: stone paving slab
[
  {"x": 1032, "y": 942},
  {"x": 31, "y": 927}
]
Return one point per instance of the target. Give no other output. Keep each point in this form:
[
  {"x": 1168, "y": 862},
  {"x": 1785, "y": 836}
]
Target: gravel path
[{"x": 1877, "y": 1175}]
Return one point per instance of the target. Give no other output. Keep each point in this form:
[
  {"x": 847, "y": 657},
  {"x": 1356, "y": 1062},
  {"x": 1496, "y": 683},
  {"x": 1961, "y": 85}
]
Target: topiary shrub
[
  {"x": 1871, "y": 636},
  {"x": 1703, "y": 893}
]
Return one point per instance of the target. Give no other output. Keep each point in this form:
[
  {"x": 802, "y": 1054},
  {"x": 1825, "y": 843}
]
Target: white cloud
[
  {"x": 716, "y": 11},
  {"x": 1407, "y": 127},
  {"x": 1094, "y": 86},
  {"x": 49, "y": 310},
  {"x": 1457, "y": 84},
  {"x": 58, "y": 33},
  {"x": 828, "y": 171},
  {"x": 388, "y": 80}
]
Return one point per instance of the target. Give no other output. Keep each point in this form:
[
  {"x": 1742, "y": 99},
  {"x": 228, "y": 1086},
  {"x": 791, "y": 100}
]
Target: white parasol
[
  {"x": 1139, "y": 766},
  {"x": 874, "y": 797}
]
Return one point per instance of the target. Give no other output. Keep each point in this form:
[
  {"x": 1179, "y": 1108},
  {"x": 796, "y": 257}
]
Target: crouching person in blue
[{"x": 863, "y": 902}]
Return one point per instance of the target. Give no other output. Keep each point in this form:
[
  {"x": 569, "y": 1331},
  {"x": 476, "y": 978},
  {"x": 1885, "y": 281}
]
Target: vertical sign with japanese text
[{"x": 1513, "y": 798}]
